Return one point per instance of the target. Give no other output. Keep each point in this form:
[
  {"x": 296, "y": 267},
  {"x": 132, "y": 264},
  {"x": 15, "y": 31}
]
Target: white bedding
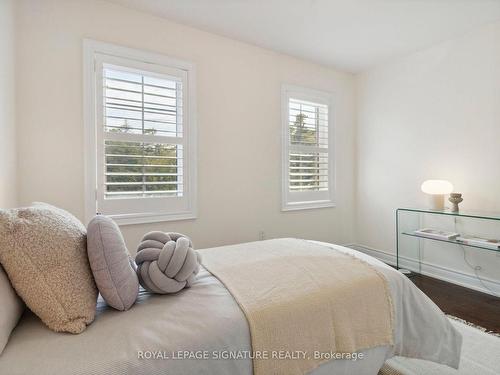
[{"x": 206, "y": 321}]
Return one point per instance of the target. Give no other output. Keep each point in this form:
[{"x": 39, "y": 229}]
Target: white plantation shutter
[
  {"x": 307, "y": 150},
  {"x": 144, "y": 164},
  {"x": 143, "y": 139}
]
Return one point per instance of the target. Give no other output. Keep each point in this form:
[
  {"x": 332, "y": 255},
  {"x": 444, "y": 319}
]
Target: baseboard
[{"x": 433, "y": 270}]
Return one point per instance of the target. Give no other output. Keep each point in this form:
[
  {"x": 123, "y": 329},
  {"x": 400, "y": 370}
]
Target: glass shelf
[
  {"x": 410, "y": 251},
  {"x": 450, "y": 241},
  {"x": 462, "y": 213}
]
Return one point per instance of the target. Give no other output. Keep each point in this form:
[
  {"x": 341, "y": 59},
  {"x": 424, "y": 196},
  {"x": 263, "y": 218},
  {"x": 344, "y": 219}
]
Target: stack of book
[
  {"x": 478, "y": 241},
  {"x": 448, "y": 236},
  {"x": 436, "y": 234}
]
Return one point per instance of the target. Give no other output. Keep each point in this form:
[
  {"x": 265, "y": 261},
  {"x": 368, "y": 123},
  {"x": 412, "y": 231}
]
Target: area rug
[{"x": 480, "y": 356}]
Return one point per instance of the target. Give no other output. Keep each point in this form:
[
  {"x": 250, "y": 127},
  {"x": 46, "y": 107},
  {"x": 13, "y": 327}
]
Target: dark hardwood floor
[{"x": 475, "y": 307}]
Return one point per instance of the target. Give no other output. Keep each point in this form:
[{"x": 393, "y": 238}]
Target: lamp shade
[{"x": 437, "y": 187}]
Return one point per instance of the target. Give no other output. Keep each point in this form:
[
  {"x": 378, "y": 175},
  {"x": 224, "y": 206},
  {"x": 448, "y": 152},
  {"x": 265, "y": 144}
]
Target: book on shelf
[
  {"x": 436, "y": 234},
  {"x": 479, "y": 241}
]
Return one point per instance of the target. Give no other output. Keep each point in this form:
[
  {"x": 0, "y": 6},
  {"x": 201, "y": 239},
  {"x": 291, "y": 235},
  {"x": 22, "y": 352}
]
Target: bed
[{"x": 202, "y": 330}]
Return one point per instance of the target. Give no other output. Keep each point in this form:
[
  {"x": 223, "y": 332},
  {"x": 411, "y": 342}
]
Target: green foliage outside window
[{"x": 141, "y": 167}]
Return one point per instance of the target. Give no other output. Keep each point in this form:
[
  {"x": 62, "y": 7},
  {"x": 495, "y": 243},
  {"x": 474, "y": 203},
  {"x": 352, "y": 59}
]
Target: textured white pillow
[{"x": 11, "y": 309}]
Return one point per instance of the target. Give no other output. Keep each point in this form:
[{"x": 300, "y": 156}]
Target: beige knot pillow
[
  {"x": 166, "y": 262},
  {"x": 43, "y": 251}
]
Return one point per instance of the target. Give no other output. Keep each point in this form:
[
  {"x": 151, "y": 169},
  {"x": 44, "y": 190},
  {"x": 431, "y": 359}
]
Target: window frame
[
  {"x": 316, "y": 199},
  {"x": 94, "y": 54}
]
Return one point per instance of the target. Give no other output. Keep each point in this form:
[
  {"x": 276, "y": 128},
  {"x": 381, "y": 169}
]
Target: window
[
  {"x": 308, "y": 164},
  {"x": 140, "y": 135}
]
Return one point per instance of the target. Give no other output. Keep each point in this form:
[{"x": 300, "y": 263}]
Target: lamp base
[{"x": 436, "y": 202}]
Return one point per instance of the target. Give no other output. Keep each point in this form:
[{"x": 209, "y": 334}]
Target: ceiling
[{"x": 352, "y": 35}]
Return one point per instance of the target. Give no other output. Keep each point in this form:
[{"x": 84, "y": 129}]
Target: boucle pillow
[
  {"x": 11, "y": 309},
  {"x": 111, "y": 263},
  {"x": 43, "y": 250}
]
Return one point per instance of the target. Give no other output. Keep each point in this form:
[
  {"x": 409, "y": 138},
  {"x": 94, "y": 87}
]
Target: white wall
[
  {"x": 434, "y": 114},
  {"x": 239, "y": 123},
  {"x": 8, "y": 193}
]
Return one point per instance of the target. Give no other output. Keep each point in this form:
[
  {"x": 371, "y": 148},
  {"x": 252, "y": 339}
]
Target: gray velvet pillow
[{"x": 111, "y": 263}]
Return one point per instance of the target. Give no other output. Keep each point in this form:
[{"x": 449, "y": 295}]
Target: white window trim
[
  {"x": 318, "y": 96},
  {"x": 90, "y": 49}
]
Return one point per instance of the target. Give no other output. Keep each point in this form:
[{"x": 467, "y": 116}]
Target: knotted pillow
[{"x": 166, "y": 262}]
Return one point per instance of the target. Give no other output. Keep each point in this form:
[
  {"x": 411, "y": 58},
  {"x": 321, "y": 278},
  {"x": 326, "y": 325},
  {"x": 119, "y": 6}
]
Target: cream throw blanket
[{"x": 304, "y": 300}]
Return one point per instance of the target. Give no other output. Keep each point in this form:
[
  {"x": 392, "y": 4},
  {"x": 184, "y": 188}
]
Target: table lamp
[{"x": 436, "y": 190}]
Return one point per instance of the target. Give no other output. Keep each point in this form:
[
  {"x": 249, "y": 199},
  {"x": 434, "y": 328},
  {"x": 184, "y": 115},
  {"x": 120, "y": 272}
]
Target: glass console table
[{"x": 410, "y": 246}]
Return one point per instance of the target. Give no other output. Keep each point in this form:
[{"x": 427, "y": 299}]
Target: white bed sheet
[{"x": 205, "y": 319}]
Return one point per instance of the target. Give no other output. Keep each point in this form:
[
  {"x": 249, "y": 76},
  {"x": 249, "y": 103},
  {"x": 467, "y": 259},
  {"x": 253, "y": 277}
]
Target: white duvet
[{"x": 201, "y": 330}]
